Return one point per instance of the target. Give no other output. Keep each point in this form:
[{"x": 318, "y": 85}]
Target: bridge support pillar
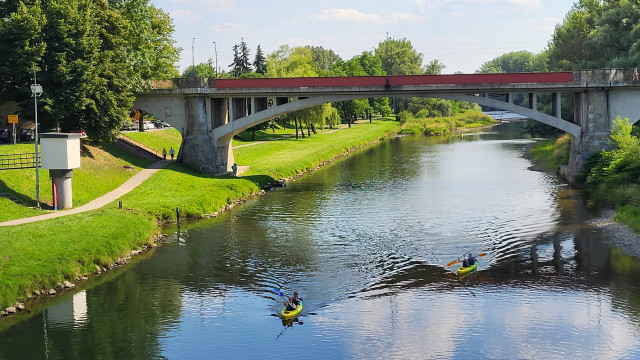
[
  {"x": 197, "y": 150},
  {"x": 591, "y": 112}
]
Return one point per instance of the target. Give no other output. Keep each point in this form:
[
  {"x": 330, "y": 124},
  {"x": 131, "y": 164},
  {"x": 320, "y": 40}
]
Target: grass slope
[{"x": 103, "y": 168}]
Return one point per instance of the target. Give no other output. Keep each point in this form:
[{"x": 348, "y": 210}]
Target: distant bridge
[{"x": 210, "y": 112}]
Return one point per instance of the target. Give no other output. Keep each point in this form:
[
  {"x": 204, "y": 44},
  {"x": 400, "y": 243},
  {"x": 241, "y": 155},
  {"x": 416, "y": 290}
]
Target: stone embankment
[{"x": 616, "y": 233}]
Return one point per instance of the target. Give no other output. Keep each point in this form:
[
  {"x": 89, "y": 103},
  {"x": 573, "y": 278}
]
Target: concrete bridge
[{"x": 209, "y": 112}]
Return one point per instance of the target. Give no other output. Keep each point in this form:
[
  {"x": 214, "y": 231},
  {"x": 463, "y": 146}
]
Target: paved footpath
[{"x": 127, "y": 186}]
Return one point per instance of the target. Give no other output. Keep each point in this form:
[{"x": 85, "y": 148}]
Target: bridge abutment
[
  {"x": 592, "y": 114},
  {"x": 198, "y": 150}
]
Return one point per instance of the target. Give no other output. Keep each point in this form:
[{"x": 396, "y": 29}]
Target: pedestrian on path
[
  {"x": 172, "y": 152},
  {"x": 234, "y": 168},
  {"x": 164, "y": 154}
]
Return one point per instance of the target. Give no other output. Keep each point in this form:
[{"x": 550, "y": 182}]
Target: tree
[
  {"x": 20, "y": 48},
  {"x": 324, "y": 59},
  {"x": 434, "y": 67},
  {"x": 399, "y": 57},
  {"x": 240, "y": 63},
  {"x": 516, "y": 61},
  {"x": 200, "y": 70},
  {"x": 89, "y": 61},
  {"x": 288, "y": 62},
  {"x": 260, "y": 62}
]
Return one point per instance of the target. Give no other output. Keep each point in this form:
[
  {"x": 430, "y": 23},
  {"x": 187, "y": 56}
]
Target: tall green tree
[
  {"x": 240, "y": 63},
  {"x": 260, "y": 62}
]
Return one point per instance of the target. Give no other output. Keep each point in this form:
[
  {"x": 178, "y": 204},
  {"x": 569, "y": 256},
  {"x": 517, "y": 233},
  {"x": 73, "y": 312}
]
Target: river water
[{"x": 365, "y": 242}]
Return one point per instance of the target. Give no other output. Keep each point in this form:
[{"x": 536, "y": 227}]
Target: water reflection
[
  {"x": 364, "y": 241},
  {"x": 69, "y": 313}
]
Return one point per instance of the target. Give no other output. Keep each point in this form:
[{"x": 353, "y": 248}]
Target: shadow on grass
[
  {"x": 29, "y": 202},
  {"x": 260, "y": 180},
  {"x": 125, "y": 155}
]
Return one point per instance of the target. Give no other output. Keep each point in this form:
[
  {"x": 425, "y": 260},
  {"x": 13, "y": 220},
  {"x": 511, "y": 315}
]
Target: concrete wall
[{"x": 169, "y": 108}]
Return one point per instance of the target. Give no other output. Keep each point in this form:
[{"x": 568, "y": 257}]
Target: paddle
[
  {"x": 278, "y": 292},
  {"x": 458, "y": 259}
]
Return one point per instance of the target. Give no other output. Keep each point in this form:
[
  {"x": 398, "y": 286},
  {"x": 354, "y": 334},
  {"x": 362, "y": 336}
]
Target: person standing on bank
[
  {"x": 164, "y": 154},
  {"x": 234, "y": 168},
  {"x": 172, "y": 152}
]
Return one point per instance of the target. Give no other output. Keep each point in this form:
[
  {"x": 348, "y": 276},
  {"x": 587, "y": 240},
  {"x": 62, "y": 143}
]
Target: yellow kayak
[
  {"x": 291, "y": 314},
  {"x": 465, "y": 270}
]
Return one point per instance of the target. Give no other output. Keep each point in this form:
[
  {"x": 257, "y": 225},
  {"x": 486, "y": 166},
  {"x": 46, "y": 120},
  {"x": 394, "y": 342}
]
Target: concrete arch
[{"x": 223, "y": 134}]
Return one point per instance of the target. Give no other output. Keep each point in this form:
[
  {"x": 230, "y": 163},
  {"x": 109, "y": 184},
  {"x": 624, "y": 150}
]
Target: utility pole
[
  {"x": 36, "y": 91},
  {"x": 193, "y": 56},
  {"x": 215, "y": 49}
]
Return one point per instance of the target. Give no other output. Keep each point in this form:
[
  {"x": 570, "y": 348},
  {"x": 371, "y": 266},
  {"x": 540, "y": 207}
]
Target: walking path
[{"x": 105, "y": 199}]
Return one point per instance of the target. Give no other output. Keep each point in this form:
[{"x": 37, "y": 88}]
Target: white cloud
[
  {"x": 349, "y": 15},
  {"x": 405, "y": 17},
  {"x": 546, "y": 24},
  {"x": 183, "y": 15},
  {"x": 352, "y": 15},
  {"x": 535, "y": 4},
  {"x": 228, "y": 28}
]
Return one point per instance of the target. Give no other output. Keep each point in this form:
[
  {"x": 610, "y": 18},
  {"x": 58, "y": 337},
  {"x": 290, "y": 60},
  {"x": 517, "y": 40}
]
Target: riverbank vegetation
[
  {"x": 40, "y": 255},
  {"x": 551, "y": 153},
  {"x": 445, "y": 125},
  {"x": 613, "y": 177}
]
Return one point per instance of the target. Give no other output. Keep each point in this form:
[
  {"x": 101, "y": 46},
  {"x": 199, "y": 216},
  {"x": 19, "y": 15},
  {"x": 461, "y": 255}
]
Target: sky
[{"x": 461, "y": 34}]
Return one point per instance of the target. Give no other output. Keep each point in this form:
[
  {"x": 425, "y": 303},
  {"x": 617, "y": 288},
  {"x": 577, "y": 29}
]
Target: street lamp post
[
  {"x": 193, "y": 54},
  {"x": 36, "y": 90},
  {"x": 215, "y": 49}
]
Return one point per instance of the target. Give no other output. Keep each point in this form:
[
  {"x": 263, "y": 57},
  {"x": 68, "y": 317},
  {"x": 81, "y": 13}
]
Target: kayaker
[
  {"x": 471, "y": 260},
  {"x": 296, "y": 299},
  {"x": 465, "y": 262},
  {"x": 290, "y": 304}
]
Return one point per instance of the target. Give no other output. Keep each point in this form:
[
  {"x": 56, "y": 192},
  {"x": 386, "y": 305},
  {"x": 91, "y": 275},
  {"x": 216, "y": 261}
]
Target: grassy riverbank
[{"x": 39, "y": 255}]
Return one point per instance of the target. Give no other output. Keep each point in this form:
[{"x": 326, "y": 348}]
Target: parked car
[
  {"x": 161, "y": 124},
  {"x": 127, "y": 125},
  {"x": 4, "y": 135},
  {"x": 26, "y": 135},
  {"x": 148, "y": 125}
]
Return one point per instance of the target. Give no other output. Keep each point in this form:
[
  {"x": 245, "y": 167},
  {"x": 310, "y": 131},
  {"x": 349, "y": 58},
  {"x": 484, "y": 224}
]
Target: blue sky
[{"x": 462, "y": 34}]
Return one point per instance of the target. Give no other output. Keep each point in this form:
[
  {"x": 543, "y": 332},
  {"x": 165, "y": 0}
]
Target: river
[{"x": 365, "y": 242}]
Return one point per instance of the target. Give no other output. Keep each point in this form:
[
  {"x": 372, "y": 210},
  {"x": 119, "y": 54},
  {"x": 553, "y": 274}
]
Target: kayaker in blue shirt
[
  {"x": 296, "y": 299},
  {"x": 471, "y": 260},
  {"x": 290, "y": 304}
]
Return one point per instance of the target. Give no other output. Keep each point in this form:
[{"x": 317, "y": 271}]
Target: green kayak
[
  {"x": 465, "y": 270},
  {"x": 291, "y": 314}
]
